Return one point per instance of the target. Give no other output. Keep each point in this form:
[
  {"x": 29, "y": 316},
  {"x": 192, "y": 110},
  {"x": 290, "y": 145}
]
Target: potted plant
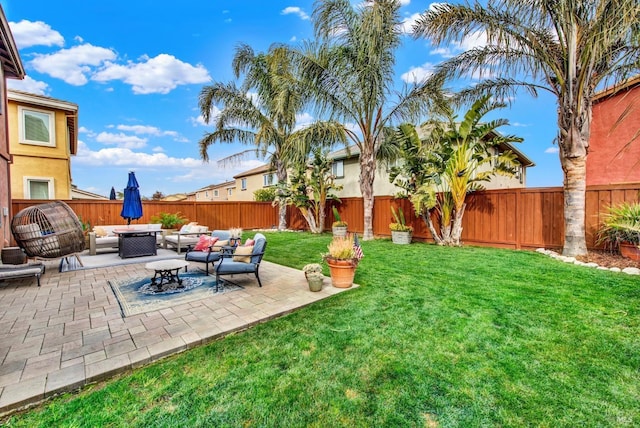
[
  {"x": 621, "y": 228},
  {"x": 170, "y": 221},
  {"x": 342, "y": 261},
  {"x": 339, "y": 227},
  {"x": 313, "y": 273},
  {"x": 400, "y": 231}
]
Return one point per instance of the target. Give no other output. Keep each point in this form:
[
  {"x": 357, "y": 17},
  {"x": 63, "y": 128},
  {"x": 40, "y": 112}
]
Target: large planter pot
[
  {"x": 342, "y": 272},
  {"x": 340, "y": 231},
  {"x": 315, "y": 282},
  {"x": 630, "y": 251},
  {"x": 402, "y": 238}
]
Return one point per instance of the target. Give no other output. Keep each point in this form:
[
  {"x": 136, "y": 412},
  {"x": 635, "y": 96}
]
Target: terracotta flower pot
[
  {"x": 630, "y": 251},
  {"x": 342, "y": 272}
]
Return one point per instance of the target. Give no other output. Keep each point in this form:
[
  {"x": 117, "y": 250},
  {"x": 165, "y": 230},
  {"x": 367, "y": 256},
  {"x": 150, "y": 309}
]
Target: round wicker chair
[{"x": 48, "y": 231}]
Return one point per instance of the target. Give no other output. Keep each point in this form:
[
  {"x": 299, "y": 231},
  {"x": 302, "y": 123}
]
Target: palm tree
[
  {"x": 567, "y": 47},
  {"x": 350, "y": 71},
  {"x": 454, "y": 159},
  {"x": 266, "y": 119}
]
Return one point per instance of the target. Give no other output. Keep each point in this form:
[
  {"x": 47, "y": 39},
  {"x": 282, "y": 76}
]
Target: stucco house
[
  {"x": 11, "y": 68},
  {"x": 42, "y": 137},
  {"x": 614, "y": 146},
  {"x": 249, "y": 181},
  {"x": 212, "y": 192},
  {"x": 346, "y": 168}
]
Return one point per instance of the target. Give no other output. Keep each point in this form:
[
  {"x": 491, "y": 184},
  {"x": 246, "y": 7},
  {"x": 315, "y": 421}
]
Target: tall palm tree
[
  {"x": 567, "y": 47},
  {"x": 351, "y": 74},
  {"x": 265, "y": 119}
]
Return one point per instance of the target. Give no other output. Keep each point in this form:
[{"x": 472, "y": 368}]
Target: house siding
[{"x": 613, "y": 151}]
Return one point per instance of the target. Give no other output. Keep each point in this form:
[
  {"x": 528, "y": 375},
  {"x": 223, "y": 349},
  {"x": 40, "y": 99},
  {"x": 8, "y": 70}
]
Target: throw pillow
[
  {"x": 219, "y": 244},
  {"x": 243, "y": 254},
  {"x": 204, "y": 242},
  {"x": 100, "y": 232},
  {"x": 249, "y": 242}
]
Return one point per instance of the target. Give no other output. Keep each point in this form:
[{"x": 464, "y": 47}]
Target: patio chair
[
  {"x": 235, "y": 263},
  {"x": 210, "y": 255},
  {"x": 21, "y": 271}
]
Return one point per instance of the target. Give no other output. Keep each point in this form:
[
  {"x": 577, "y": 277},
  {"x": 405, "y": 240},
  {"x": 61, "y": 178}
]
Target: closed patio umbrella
[
  {"x": 131, "y": 205},
  {"x": 112, "y": 195}
]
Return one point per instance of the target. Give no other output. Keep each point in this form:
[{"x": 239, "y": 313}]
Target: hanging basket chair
[{"x": 48, "y": 231}]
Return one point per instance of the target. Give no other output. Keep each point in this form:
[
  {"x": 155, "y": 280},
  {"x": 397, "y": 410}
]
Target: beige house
[
  {"x": 213, "y": 192},
  {"x": 10, "y": 68},
  {"x": 42, "y": 138},
  {"x": 249, "y": 181},
  {"x": 346, "y": 169},
  {"x": 85, "y": 194}
]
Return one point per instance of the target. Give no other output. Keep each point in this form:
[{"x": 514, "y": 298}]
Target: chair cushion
[
  {"x": 249, "y": 242},
  {"x": 243, "y": 254},
  {"x": 229, "y": 266},
  {"x": 202, "y": 256},
  {"x": 219, "y": 244}
]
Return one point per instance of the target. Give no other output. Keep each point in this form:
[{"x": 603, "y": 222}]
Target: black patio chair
[
  {"x": 231, "y": 263},
  {"x": 207, "y": 256}
]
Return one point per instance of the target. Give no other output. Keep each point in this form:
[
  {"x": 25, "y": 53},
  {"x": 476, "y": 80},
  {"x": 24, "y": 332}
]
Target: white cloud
[
  {"x": 160, "y": 74},
  {"x": 519, "y": 124},
  {"x": 28, "y": 33},
  {"x": 121, "y": 140},
  {"x": 293, "y": 39},
  {"x": 417, "y": 74},
  {"x": 303, "y": 119},
  {"x": 552, "y": 150},
  {"x": 149, "y": 130},
  {"x": 158, "y": 149},
  {"x": 122, "y": 156},
  {"x": 199, "y": 121},
  {"x": 407, "y": 23},
  {"x": 476, "y": 39},
  {"x": 404, "y": 2},
  {"x": 28, "y": 85},
  {"x": 296, "y": 11},
  {"x": 74, "y": 64}
]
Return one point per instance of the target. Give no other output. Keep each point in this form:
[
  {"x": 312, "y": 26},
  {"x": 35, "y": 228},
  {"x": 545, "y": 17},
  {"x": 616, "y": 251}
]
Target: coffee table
[{"x": 166, "y": 272}]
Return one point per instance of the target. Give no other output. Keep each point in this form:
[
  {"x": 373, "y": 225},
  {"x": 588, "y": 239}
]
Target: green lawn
[{"x": 434, "y": 337}]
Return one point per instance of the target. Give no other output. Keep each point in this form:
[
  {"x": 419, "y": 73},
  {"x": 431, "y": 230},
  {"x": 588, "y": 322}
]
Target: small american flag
[{"x": 357, "y": 249}]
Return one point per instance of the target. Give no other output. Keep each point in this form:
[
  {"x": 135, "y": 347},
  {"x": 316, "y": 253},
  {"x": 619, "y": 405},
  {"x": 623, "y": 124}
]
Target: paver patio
[{"x": 70, "y": 332}]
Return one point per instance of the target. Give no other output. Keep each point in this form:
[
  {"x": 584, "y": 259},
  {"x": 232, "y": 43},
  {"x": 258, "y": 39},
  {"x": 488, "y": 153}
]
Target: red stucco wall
[{"x": 614, "y": 157}]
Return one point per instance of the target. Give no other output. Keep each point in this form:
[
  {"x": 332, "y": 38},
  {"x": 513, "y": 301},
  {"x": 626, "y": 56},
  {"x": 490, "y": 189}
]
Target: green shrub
[{"x": 267, "y": 194}]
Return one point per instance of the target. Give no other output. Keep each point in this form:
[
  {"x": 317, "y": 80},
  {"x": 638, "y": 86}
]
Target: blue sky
[{"x": 135, "y": 69}]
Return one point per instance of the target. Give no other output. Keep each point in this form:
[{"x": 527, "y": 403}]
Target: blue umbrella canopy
[
  {"x": 131, "y": 205},
  {"x": 112, "y": 195}
]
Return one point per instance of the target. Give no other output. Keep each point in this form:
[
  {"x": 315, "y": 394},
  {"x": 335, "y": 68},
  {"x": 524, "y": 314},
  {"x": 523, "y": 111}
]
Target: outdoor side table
[
  {"x": 166, "y": 272},
  {"x": 136, "y": 243}
]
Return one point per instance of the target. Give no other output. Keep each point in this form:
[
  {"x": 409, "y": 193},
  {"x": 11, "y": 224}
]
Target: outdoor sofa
[
  {"x": 188, "y": 235},
  {"x": 103, "y": 237}
]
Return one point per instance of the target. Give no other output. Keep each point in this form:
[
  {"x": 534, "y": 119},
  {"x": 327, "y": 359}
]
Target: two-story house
[
  {"x": 10, "y": 68},
  {"x": 614, "y": 146},
  {"x": 212, "y": 192},
  {"x": 249, "y": 181},
  {"x": 42, "y": 138}
]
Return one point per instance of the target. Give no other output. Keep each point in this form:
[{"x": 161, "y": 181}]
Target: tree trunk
[
  {"x": 427, "y": 219},
  {"x": 456, "y": 230},
  {"x": 575, "y": 170},
  {"x": 281, "y": 173},
  {"x": 367, "y": 176}
]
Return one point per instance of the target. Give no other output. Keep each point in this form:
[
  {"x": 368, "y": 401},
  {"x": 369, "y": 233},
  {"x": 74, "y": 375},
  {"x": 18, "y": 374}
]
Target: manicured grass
[{"x": 433, "y": 337}]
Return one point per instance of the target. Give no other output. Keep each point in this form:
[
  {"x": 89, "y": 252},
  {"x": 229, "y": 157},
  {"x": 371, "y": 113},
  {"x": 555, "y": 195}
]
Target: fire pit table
[{"x": 166, "y": 272}]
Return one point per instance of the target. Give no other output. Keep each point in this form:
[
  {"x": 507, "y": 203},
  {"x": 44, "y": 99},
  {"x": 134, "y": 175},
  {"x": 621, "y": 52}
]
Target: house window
[
  {"x": 337, "y": 169},
  {"x": 268, "y": 180},
  {"x": 229, "y": 191},
  {"x": 36, "y": 127},
  {"x": 243, "y": 184},
  {"x": 38, "y": 188},
  {"x": 215, "y": 193},
  {"x": 206, "y": 194}
]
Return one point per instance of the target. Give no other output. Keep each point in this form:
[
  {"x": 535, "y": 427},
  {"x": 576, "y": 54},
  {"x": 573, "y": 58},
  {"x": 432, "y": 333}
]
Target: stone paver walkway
[{"x": 70, "y": 332}]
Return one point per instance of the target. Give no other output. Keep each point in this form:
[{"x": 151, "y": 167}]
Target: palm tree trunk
[
  {"x": 281, "y": 173},
  {"x": 367, "y": 176},
  {"x": 456, "y": 230},
  {"x": 575, "y": 170},
  {"x": 426, "y": 217}
]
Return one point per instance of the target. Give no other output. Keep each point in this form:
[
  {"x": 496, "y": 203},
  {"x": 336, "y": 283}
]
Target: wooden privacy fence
[{"x": 509, "y": 218}]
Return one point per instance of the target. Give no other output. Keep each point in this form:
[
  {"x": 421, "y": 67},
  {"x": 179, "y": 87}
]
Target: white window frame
[
  {"x": 268, "y": 180},
  {"x": 27, "y": 188},
  {"x": 337, "y": 169},
  {"x": 52, "y": 127},
  {"x": 243, "y": 184},
  {"x": 229, "y": 191},
  {"x": 215, "y": 193}
]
